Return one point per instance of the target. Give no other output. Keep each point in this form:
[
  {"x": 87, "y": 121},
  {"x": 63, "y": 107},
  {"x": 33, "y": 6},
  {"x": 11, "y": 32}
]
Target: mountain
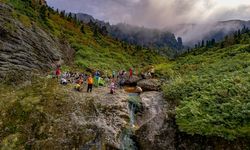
[
  {"x": 145, "y": 37},
  {"x": 163, "y": 42},
  {"x": 34, "y": 39},
  {"x": 194, "y": 33},
  {"x": 199, "y": 100},
  {"x": 86, "y": 18},
  {"x": 190, "y": 34}
]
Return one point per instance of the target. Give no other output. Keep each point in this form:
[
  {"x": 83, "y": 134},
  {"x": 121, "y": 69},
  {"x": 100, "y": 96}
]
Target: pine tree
[
  {"x": 75, "y": 19},
  {"x": 62, "y": 14},
  {"x": 222, "y": 45},
  {"x": 202, "y": 43},
  {"x": 104, "y": 31},
  {"x": 199, "y": 44},
  {"x": 95, "y": 31},
  {"x": 82, "y": 29},
  {"x": 69, "y": 17},
  {"x": 43, "y": 13},
  {"x": 213, "y": 42},
  {"x": 207, "y": 43}
]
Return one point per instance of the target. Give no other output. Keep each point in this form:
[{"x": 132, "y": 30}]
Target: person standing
[
  {"x": 58, "y": 71},
  {"x": 112, "y": 87},
  {"x": 90, "y": 83},
  {"x": 113, "y": 74},
  {"x": 97, "y": 78},
  {"x": 130, "y": 72}
]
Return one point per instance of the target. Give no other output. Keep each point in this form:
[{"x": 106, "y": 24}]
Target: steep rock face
[
  {"x": 156, "y": 128},
  {"x": 24, "y": 46}
]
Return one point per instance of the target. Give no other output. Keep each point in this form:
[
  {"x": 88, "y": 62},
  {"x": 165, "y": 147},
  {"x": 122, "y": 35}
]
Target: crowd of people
[{"x": 114, "y": 81}]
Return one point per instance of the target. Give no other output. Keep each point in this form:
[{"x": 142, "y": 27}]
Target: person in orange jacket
[{"x": 90, "y": 83}]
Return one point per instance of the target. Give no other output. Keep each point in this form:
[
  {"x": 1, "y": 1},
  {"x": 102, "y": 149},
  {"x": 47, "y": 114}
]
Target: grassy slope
[
  {"x": 212, "y": 88},
  {"x": 24, "y": 111},
  {"x": 100, "y": 52}
]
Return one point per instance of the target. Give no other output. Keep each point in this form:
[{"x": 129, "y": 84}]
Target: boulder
[
  {"x": 138, "y": 89},
  {"x": 132, "y": 81},
  {"x": 149, "y": 84}
]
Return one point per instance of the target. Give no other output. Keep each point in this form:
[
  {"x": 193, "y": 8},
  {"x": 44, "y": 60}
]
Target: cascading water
[
  {"x": 127, "y": 141},
  {"x": 132, "y": 108}
]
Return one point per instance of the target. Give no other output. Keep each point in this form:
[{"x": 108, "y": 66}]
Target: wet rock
[
  {"x": 149, "y": 84},
  {"x": 156, "y": 130}
]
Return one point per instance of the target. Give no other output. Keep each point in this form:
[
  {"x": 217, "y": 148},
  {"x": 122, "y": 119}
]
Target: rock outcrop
[
  {"x": 87, "y": 121},
  {"x": 155, "y": 127},
  {"x": 132, "y": 80},
  {"x": 149, "y": 84},
  {"x": 24, "y": 46}
]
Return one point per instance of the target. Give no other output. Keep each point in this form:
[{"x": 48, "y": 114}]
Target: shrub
[{"x": 213, "y": 93}]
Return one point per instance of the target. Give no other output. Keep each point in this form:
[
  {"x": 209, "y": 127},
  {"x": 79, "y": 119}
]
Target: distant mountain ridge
[
  {"x": 194, "y": 33},
  {"x": 163, "y": 41}
]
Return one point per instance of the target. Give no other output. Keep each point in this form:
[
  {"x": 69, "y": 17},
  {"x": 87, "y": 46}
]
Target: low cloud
[{"x": 161, "y": 14}]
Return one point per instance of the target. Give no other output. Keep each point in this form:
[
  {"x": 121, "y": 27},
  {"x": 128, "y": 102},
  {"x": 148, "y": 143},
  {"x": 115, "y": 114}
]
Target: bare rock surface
[
  {"x": 155, "y": 128},
  {"x": 26, "y": 48},
  {"x": 149, "y": 84},
  {"x": 132, "y": 80},
  {"x": 90, "y": 120}
]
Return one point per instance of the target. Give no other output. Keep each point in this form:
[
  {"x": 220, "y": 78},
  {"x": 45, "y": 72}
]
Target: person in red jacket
[
  {"x": 130, "y": 72},
  {"x": 58, "y": 72}
]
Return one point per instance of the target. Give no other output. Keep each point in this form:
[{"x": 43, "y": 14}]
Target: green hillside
[
  {"x": 211, "y": 87},
  {"x": 92, "y": 49}
]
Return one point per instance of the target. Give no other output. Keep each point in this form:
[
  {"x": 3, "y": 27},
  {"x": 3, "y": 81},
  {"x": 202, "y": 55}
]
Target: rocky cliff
[{"x": 26, "y": 47}]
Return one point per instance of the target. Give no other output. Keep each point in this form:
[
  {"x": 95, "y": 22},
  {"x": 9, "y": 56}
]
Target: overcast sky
[{"x": 158, "y": 13}]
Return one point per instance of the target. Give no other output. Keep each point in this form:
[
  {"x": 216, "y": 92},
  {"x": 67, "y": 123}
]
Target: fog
[{"x": 161, "y": 14}]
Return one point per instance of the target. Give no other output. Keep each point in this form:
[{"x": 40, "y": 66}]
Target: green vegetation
[
  {"x": 24, "y": 110},
  {"x": 211, "y": 87},
  {"x": 93, "y": 49},
  {"x": 211, "y": 84},
  {"x": 134, "y": 101}
]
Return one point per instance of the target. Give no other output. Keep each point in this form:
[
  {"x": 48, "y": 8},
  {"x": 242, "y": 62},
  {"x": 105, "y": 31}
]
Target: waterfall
[
  {"x": 127, "y": 142},
  {"x": 132, "y": 115}
]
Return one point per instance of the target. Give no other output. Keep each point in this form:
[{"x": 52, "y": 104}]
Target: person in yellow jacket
[
  {"x": 90, "y": 83},
  {"x": 79, "y": 82}
]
